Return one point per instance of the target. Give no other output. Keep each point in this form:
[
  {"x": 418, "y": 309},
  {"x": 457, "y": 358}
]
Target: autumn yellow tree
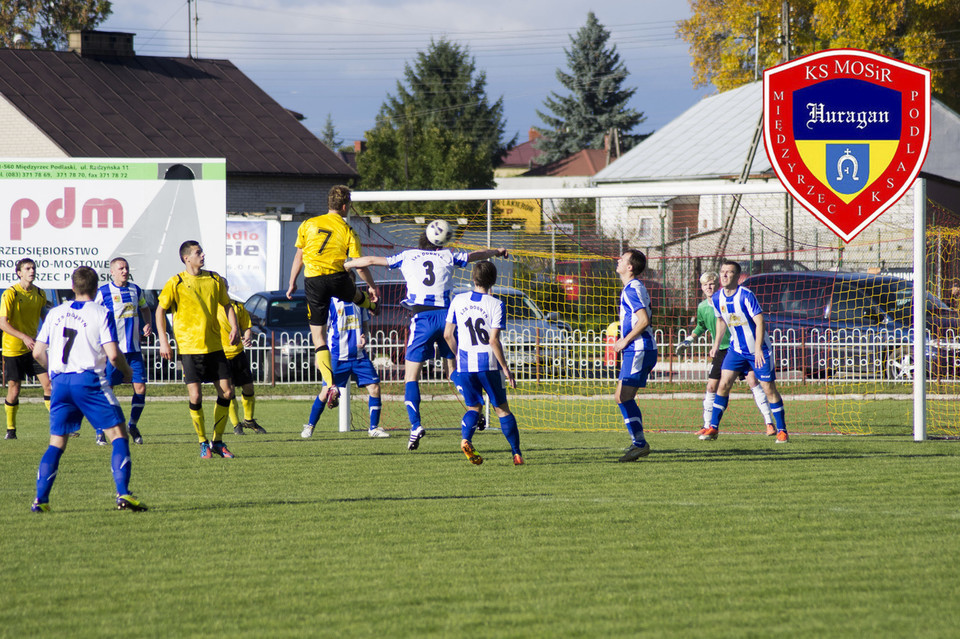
[{"x": 721, "y": 35}]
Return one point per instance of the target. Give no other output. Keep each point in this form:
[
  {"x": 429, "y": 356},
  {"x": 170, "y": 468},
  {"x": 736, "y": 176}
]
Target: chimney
[
  {"x": 359, "y": 146},
  {"x": 111, "y": 44},
  {"x": 533, "y": 135}
]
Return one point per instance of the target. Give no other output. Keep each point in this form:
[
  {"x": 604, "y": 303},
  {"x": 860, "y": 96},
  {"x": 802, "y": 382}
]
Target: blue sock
[
  {"x": 633, "y": 420},
  {"x": 778, "y": 418},
  {"x": 508, "y": 426},
  {"x": 120, "y": 464},
  {"x": 136, "y": 408},
  {"x": 374, "y": 404},
  {"x": 47, "y": 472},
  {"x": 316, "y": 410},
  {"x": 719, "y": 405},
  {"x": 411, "y": 398},
  {"x": 468, "y": 425}
]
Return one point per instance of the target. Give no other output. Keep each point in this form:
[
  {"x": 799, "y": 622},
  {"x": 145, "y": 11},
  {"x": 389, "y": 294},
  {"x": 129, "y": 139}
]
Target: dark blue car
[{"x": 851, "y": 324}]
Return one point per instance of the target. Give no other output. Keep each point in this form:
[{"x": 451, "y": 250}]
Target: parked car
[
  {"x": 284, "y": 325},
  {"x": 529, "y": 332},
  {"x": 755, "y": 267},
  {"x": 847, "y": 324}
]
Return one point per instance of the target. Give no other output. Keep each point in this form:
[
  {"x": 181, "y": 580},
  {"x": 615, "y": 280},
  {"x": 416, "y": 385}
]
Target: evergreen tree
[
  {"x": 330, "y": 136},
  {"x": 598, "y": 101},
  {"x": 42, "y": 24},
  {"x": 443, "y": 93}
]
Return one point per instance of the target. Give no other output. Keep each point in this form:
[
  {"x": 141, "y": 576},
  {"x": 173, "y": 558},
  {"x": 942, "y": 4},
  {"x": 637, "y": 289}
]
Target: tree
[
  {"x": 422, "y": 156},
  {"x": 598, "y": 101},
  {"x": 445, "y": 96},
  {"x": 922, "y": 32},
  {"x": 330, "y": 136},
  {"x": 43, "y": 24}
]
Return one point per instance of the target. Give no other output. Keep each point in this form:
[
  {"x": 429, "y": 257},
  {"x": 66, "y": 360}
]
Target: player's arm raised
[
  {"x": 476, "y": 256},
  {"x": 365, "y": 261}
]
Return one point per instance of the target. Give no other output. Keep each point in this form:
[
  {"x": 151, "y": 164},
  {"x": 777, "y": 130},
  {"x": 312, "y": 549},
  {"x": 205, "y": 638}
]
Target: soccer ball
[{"x": 439, "y": 232}]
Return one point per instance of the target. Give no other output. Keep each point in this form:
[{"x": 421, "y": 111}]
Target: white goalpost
[{"x": 562, "y": 237}]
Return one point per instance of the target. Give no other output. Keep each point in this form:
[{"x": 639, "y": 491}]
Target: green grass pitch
[{"x": 342, "y": 535}]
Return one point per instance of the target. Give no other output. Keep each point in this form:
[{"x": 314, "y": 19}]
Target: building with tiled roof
[{"x": 100, "y": 99}]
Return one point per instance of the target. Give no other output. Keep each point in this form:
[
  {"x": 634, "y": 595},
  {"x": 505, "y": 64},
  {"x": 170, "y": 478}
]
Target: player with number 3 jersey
[{"x": 428, "y": 272}]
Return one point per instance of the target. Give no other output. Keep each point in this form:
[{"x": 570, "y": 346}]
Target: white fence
[{"x": 586, "y": 357}]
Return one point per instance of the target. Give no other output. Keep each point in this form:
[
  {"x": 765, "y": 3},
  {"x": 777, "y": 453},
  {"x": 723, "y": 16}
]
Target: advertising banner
[
  {"x": 84, "y": 212},
  {"x": 846, "y": 131},
  {"x": 253, "y": 256}
]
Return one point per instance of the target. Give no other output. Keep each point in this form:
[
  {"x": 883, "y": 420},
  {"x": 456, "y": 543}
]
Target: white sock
[
  {"x": 761, "y": 399},
  {"x": 708, "y": 399}
]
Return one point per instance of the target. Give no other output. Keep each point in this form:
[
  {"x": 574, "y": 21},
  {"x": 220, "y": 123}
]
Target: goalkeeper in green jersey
[{"x": 707, "y": 321}]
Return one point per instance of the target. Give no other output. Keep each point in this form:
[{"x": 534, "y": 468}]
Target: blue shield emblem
[{"x": 848, "y": 167}]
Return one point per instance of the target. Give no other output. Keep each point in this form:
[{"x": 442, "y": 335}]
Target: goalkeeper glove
[{"x": 684, "y": 345}]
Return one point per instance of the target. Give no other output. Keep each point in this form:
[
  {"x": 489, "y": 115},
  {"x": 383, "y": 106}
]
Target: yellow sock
[
  {"x": 325, "y": 364},
  {"x": 11, "y": 410},
  {"x": 220, "y": 419},
  {"x": 248, "y": 403},
  {"x": 365, "y": 302},
  {"x": 234, "y": 414},
  {"x": 196, "y": 414}
]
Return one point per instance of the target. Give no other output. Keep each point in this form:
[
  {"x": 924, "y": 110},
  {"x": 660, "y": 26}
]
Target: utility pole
[
  {"x": 756, "y": 49},
  {"x": 785, "y": 29},
  {"x": 196, "y": 26},
  {"x": 189, "y": 30}
]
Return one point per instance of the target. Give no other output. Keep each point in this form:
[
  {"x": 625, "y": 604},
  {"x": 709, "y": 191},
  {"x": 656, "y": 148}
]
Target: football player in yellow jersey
[
  {"x": 324, "y": 243},
  {"x": 20, "y": 309},
  {"x": 193, "y": 296},
  {"x": 239, "y": 364}
]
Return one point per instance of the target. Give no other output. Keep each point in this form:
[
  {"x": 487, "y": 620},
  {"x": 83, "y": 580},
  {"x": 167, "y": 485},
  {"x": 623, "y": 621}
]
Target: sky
[{"x": 343, "y": 59}]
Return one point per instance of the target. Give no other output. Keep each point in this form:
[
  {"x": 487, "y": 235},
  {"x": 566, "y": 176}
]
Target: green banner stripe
[{"x": 96, "y": 171}]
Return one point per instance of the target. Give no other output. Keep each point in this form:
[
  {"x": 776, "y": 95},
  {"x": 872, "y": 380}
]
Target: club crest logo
[{"x": 846, "y": 132}]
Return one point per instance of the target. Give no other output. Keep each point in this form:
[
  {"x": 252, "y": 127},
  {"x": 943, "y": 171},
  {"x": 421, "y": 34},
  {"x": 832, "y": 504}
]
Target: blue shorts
[
  {"x": 136, "y": 365},
  {"x": 361, "y": 370},
  {"x": 636, "y": 368},
  {"x": 79, "y": 395},
  {"x": 734, "y": 361},
  {"x": 473, "y": 384},
  {"x": 426, "y": 336}
]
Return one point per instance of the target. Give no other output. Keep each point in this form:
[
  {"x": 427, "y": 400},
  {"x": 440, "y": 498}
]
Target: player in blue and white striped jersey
[
  {"x": 473, "y": 326},
  {"x": 127, "y": 304},
  {"x": 637, "y": 347},
  {"x": 75, "y": 342},
  {"x": 347, "y": 339},
  {"x": 428, "y": 272},
  {"x": 736, "y": 308}
]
